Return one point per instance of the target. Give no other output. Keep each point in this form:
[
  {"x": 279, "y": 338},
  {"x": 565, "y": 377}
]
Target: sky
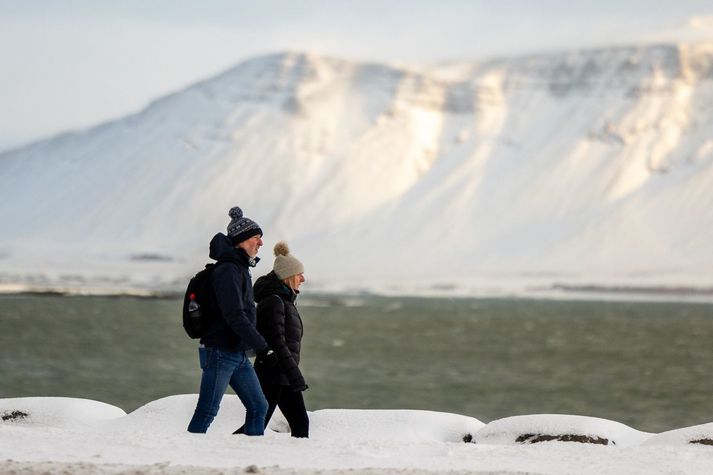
[{"x": 71, "y": 64}]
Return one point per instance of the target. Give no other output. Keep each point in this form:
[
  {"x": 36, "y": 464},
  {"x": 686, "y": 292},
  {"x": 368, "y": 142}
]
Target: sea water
[{"x": 647, "y": 365}]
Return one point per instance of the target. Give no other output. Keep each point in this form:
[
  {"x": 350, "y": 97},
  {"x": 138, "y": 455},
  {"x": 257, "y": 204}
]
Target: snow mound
[
  {"x": 537, "y": 428},
  {"x": 697, "y": 435},
  {"x": 153, "y": 440},
  {"x": 171, "y": 415},
  {"x": 402, "y": 425},
  {"x": 61, "y": 412}
]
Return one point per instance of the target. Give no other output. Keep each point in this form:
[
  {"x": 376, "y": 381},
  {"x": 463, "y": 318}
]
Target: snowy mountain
[{"x": 581, "y": 168}]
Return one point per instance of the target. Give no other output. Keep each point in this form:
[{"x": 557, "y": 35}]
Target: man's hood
[{"x": 221, "y": 249}]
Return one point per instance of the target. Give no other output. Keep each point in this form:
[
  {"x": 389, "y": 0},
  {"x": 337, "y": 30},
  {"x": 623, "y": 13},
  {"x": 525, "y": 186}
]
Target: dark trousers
[{"x": 291, "y": 404}]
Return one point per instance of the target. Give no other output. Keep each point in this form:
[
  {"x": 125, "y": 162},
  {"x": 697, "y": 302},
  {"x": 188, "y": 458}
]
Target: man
[{"x": 223, "y": 350}]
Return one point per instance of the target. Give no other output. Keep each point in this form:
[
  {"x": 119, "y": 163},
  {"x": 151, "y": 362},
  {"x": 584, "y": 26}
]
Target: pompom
[
  {"x": 235, "y": 212},
  {"x": 281, "y": 249}
]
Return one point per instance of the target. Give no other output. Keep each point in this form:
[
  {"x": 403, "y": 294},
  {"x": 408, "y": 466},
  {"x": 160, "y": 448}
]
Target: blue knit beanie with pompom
[{"x": 241, "y": 228}]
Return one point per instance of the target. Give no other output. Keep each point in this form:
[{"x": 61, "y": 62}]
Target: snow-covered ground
[{"x": 64, "y": 435}]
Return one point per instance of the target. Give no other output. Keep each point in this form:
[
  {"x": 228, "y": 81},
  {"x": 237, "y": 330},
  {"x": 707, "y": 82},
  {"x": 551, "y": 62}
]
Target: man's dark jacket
[
  {"x": 280, "y": 323},
  {"x": 232, "y": 285}
]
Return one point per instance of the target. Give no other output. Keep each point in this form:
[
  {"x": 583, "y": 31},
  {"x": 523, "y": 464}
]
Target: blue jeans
[{"x": 220, "y": 369}]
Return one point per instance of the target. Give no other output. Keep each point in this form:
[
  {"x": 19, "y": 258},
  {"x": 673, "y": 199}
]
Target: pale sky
[{"x": 72, "y": 64}]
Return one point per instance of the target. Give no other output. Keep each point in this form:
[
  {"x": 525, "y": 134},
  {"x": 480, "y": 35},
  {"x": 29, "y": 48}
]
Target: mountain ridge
[{"x": 384, "y": 176}]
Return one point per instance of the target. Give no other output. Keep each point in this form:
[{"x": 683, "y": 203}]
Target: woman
[{"x": 280, "y": 324}]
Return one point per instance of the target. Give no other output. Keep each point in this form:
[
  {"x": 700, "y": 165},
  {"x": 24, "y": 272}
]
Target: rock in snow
[
  {"x": 59, "y": 412},
  {"x": 546, "y": 427},
  {"x": 700, "y": 434}
]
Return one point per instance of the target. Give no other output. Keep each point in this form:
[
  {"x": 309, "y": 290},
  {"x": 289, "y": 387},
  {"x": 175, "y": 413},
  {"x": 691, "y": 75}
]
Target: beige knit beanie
[{"x": 286, "y": 265}]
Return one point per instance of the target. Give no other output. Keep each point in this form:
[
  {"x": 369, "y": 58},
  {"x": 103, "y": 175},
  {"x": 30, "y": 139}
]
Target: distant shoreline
[
  {"x": 555, "y": 291},
  {"x": 637, "y": 289}
]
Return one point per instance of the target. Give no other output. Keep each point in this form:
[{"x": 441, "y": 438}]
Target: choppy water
[{"x": 648, "y": 365}]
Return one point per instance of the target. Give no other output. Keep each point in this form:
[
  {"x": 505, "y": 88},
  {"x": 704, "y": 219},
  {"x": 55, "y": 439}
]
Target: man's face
[{"x": 252, "y": 245}]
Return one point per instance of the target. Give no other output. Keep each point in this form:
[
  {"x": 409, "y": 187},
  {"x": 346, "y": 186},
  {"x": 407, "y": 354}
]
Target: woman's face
[{"x": 296, "y": 281}]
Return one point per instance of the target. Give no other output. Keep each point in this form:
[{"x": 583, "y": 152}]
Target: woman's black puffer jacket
[{"x": 280, "y": 324}]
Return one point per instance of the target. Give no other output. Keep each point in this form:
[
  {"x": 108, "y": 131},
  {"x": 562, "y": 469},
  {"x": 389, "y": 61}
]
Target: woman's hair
[{"x": 291, "y": 281}]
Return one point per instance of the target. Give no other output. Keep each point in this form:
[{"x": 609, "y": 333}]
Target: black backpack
[{"x": 200, "y": 308}]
